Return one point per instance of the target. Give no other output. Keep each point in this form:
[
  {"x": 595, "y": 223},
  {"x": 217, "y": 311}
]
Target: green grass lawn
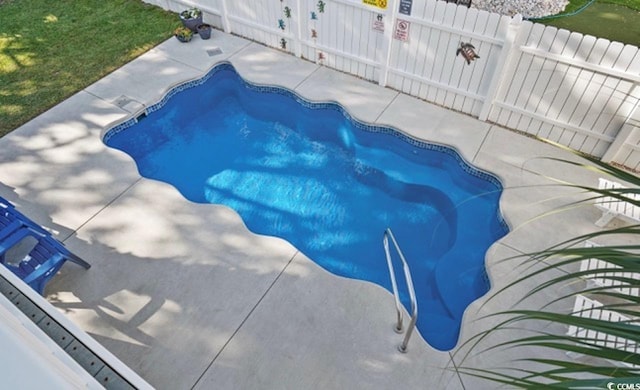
[
  {"x": 576, "y": 4},
  {"x": 610, "y": 19},
  {"x": 51, "y": 49}
]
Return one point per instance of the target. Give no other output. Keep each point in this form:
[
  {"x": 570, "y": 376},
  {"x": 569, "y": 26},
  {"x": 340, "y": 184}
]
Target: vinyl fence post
[
  {"x": 297, "y": 44},
  {"x": 630, "y": 127},
  {"x": 505, "y": 63},
  {"x": 385, "y": 61},
  {"x": 224, "y": 15}
]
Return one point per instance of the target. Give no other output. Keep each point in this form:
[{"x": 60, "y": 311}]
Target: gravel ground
[{"x": 527, "y": 8}]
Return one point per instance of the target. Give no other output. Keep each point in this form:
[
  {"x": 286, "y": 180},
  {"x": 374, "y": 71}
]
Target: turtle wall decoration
[{"x": 468, "y": 52}]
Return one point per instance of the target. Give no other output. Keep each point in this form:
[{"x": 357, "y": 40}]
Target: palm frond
[{"x": 609, "y": 348}]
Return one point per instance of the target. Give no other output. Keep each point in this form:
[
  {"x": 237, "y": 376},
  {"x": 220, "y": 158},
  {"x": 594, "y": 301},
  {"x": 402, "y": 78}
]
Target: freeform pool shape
[{"x": 330, "y": 185}]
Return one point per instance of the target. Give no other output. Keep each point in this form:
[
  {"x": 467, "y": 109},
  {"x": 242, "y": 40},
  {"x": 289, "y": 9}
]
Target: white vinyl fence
[{"x": 577, "y": 90}]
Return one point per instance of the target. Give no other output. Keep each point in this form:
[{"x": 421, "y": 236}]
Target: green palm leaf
[{"x": 598, "y": 341}]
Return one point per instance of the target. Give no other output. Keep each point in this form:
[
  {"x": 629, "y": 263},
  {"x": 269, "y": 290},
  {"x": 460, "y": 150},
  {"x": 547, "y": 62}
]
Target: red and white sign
[{"x": 401, "y": 32}]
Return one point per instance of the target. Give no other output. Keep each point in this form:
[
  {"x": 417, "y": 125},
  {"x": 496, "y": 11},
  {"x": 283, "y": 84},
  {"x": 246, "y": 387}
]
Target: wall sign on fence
[
  {"x": 405, "y": 7},
  {"x": 378, "y": 23},
  {"x": 401, "y": 32},
  {"x": 376, "y": 3}
]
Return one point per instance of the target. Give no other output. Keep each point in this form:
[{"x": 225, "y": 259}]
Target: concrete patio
[{"x": 187, "y": 297}]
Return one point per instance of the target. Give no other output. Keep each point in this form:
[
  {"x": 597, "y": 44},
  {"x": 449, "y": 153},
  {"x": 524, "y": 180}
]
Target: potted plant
[
  {"x": 183, "y": 34},
  {"x": 191, "y": 18},
  {"x": 205, "y": 31}
]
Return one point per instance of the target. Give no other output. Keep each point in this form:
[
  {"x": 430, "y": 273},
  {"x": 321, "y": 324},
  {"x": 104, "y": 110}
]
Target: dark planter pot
[
  {"x": 205, "y": 31},
  {"x": 193, "y": 23}
]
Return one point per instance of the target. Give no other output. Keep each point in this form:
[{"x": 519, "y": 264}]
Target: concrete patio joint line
[
  {"x": 239, "y": 50},
  {"x": 102, "y": 209},
  {"x": 386, "y": 107},
  {"x": 305, "y": 79},
  {"x": 185, "y": 64},
  {"x": 510, "y": 246},
  {"x": 245, "y": 319},
  {"x": 484, "y": 139},
  {"x": 545, "y": 262},
  {"x": 113, "y": 103}
]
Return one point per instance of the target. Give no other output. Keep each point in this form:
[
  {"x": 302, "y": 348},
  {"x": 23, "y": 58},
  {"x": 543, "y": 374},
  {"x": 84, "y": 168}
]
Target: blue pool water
[{"x": 309, "y": 173}]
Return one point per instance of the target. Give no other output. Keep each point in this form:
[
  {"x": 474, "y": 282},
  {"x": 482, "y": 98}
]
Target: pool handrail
[{"x": 412, "y": 294}]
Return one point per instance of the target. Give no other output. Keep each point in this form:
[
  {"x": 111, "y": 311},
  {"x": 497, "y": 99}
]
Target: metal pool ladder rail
[{"x": 412, "y": 294}]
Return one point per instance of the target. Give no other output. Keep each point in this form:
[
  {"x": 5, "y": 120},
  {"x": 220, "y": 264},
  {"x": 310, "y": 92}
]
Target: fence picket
[
  {"x": 534, "y": 72},
  {"x": 567, "y": 95},
  {"x": 463, "y": 82},
  {"x": 488, "y": 25},
  {"x": 561, "y": 79},
  {"x": 586, "y": 89},
  {"x": 337, "y": 33},
  {"x": 459, "y": 67},
  {"x": 356, "y": 39},
  {"x": 543, "y": 87},
  {"x": 420, "y": 49},
  {"x": 446, "y": 54},
  {"x": 435, "y": 49},
  {"x": 428, "y": 13},
  {"x": 522, "y": 73}
]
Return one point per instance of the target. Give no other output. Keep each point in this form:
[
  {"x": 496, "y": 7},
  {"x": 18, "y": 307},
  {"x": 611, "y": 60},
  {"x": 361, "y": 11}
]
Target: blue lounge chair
[
  {"x": 44, "y": 259},
  {"x": 42, "y": 262},
  {"x": 12, "y": 220}
]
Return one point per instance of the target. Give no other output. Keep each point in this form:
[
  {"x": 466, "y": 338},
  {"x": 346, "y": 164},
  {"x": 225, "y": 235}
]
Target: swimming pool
[{"x": 311, "y": 174}]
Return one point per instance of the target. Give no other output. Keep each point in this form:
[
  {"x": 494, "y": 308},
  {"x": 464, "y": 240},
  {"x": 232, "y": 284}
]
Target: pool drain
[{"x": 214, "y": 52}]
